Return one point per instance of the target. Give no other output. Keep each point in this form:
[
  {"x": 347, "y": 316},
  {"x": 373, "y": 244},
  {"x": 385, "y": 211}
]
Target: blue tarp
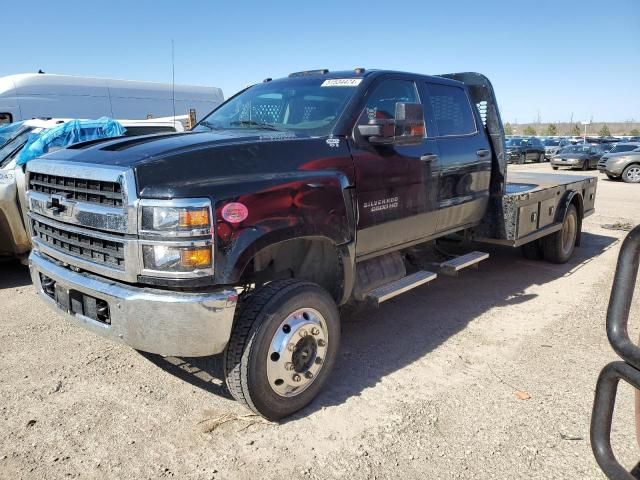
[{"x": 66, "y": 134}]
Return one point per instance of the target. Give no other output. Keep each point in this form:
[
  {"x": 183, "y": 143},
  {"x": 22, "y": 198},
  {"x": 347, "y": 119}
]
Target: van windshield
[{"x": 308, "y": 106}]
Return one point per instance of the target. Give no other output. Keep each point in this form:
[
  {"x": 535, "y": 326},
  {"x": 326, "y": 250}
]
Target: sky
[{"x": 548, "y": 59}]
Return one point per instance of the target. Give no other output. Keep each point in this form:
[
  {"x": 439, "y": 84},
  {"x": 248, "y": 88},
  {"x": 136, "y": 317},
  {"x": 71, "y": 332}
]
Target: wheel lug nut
[
  {"x": 288, "y": 366},
  {"x": 303, "y": 333},
  {"x": 315, "y": 331},
  {"x": 322, "y": 343},
  {"x": 319, "y": 361},
  {"x": 296, "y": 378},
  {"x": 291, "y": 347},
  {"x": 309, "y": 375}
]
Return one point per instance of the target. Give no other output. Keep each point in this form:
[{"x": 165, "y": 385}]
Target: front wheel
[
  {"x": 282, "y": 348},
  {"x": 631, "y": 174},
  {"x": 585, "y": 165},
  {"x": 559, "y": 246},
  {"x": 541, "y": 158},
  {"x": 523, "y": 159}
]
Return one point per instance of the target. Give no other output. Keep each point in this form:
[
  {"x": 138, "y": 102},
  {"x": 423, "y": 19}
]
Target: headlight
[
  {"x": 170, "y": 259},
  {"x": 186, "y": 219},
  {"x": 176, "y": 238}
]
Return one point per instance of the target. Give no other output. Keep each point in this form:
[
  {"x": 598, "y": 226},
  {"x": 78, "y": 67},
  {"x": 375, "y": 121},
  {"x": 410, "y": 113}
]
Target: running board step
[
  {"x": 453, "y": 266},
  {"x": 404, "y": 284}
]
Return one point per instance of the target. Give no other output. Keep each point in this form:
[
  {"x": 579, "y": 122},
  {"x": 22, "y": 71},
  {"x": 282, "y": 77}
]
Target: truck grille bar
[
  {"x": 91, "y": 191},
  {"x": 82, "y": 245}
]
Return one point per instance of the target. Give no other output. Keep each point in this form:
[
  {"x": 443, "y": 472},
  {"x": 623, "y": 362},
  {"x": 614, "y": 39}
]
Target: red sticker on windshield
[{"x": 235, "y": 212}]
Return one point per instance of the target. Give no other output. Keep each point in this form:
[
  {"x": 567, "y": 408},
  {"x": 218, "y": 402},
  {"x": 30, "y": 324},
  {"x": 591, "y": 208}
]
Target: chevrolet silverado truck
[{"x": 295, "y": 197}]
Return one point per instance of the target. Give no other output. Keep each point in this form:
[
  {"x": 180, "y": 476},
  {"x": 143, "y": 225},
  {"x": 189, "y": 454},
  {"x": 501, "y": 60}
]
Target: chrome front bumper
[{"x": 151, "y": 320}]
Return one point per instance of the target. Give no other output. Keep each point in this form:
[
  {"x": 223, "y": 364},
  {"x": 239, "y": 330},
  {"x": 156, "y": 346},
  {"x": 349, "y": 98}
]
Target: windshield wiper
[
  {"x": 251, "y": 123},
  {"x": 209, "y": 125}
]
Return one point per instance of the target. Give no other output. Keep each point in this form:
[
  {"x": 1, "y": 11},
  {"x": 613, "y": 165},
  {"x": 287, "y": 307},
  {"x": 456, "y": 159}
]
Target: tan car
[{"x": 14, "y": 240}]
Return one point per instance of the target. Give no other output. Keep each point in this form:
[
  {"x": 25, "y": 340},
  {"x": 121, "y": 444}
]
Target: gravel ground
[{"x": 426, "y": 386}]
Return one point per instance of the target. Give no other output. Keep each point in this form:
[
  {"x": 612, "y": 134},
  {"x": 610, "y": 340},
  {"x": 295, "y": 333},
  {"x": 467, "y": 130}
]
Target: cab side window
[
  {"x": 451, "y": 110},
  {"x": 5, "y": 118},
  {"x": 382, "y": 102}
]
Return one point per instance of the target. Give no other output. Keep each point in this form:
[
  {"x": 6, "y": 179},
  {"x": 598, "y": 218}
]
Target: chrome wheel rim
[
  {"x": 297, "y": 352},
  {"x": 633, "y": 174},
  {"x": 569, "y": 230}
]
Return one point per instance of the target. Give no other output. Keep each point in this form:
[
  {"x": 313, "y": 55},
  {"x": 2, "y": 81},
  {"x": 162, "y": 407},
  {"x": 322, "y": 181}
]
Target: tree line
[{"x": 574, "y": 130}]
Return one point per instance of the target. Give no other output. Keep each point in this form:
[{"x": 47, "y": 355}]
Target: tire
[
  {"x": 559, "y": 246},
  {"x": 262, "y": 334},
  {"x": 555, "y": 168},
  {"x": 631, "y": 174},
  {"x": 532, "y": 250},
  {"x": 585, "y": 166},
  {"x": 523, "y": 159},
  {"x": 541, "y": 158}
]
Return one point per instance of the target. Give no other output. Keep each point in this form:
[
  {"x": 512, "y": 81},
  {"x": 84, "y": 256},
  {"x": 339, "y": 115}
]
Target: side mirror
[{"x": 407, "y": 128}]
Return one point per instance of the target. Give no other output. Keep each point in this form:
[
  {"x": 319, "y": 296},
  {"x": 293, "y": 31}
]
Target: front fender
[{"x": 307, "y": 205}]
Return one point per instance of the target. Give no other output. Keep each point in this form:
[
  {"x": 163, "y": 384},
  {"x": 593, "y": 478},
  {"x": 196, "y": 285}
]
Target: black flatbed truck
[{"x": 295, "y": 197}]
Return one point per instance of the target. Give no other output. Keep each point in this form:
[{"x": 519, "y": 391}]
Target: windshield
[
  {"x": 552, "y": 143},
  {"x": 17, "y": 141},
  {"x": 623, "y": 148},
  {"x": 516, "y": 142},
  {"x": 299, "y": 105},
  {"x": 7, "y": 131},
  {"x": 577, "y": 149}
]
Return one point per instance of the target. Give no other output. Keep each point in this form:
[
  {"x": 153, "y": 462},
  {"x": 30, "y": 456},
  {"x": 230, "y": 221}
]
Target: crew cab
[{"x": 295, "y": 197}]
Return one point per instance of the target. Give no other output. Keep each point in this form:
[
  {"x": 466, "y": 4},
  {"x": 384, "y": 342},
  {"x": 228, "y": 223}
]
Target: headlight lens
[
  {"x": 176, "y": 259},
  {"x": 175, "y": 219}
]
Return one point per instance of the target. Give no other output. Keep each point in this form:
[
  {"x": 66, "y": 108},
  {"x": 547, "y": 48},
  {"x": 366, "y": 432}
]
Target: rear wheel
[
  {"x": 523, "y": 159},
  {"x": 555, "y": 168},
  {"x": 282, "y": 348},
  {"x": 631, "y": 174},
  {"x": 541, "y": 158},
  {"x": 558, "y": 247}
]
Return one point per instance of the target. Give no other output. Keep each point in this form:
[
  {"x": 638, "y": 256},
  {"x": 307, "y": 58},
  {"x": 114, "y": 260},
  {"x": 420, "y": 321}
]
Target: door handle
[
  {"x": 429, "y": 157},
  {"x": 483, "y": 152}
]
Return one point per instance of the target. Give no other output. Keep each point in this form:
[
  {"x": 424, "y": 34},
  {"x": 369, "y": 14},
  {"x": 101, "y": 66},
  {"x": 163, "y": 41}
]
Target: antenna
[{"x": 173, "y": 81}]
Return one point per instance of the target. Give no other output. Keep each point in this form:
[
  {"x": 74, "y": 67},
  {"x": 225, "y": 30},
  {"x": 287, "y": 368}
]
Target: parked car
[
  {"x": 553, "y": 146},
  {"x": 520, "y": 150},
  {"x": 14, "y": 240},
  {"x": 583, "y": 156},
  {"x": 27, "y": 96},
  {"x": 622, "y": 162}
]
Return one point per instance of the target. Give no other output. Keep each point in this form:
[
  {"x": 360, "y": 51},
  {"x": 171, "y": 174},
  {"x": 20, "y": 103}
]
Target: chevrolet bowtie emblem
[{"x": 55, "y": 206}]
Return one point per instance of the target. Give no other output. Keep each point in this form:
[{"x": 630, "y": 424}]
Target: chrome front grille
[
  {"x": 84, "y": 245},
  {"x": 79, "y": 189}
]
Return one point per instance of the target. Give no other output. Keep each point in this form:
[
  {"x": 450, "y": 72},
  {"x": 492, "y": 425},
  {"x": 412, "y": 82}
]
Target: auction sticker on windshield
[{"x": 341, "y": 82}]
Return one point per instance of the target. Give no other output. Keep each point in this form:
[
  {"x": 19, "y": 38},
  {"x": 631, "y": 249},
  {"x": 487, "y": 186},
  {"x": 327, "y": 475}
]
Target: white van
[{"x": 27, "y": 96}]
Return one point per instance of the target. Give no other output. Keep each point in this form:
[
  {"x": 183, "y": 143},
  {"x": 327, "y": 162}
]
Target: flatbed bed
[{"x": 533, "y": 206}]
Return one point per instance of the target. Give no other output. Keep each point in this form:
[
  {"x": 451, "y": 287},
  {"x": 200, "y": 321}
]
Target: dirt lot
[{"x": 425, "y": 386}]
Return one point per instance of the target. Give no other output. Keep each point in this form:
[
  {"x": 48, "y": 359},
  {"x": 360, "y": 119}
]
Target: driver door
[{"x": 396, "y": 185}]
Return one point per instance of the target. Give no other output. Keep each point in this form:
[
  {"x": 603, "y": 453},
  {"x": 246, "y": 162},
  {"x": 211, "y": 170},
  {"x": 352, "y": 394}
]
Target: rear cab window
[{"x": 451, "y": 110}]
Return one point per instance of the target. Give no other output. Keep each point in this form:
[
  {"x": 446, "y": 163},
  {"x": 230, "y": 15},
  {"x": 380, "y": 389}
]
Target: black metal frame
[{"x": 628, "y": 370}]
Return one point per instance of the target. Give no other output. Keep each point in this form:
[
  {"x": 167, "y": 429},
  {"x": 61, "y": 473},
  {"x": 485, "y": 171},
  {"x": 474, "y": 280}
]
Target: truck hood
[{"x": 216, "y": 163}]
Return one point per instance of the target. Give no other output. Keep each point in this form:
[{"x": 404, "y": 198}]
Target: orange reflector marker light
[
  {"x": 235, "y": 212},
  {"x": 196, "y": 257},
  {"x": 194, "y": 218}
]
